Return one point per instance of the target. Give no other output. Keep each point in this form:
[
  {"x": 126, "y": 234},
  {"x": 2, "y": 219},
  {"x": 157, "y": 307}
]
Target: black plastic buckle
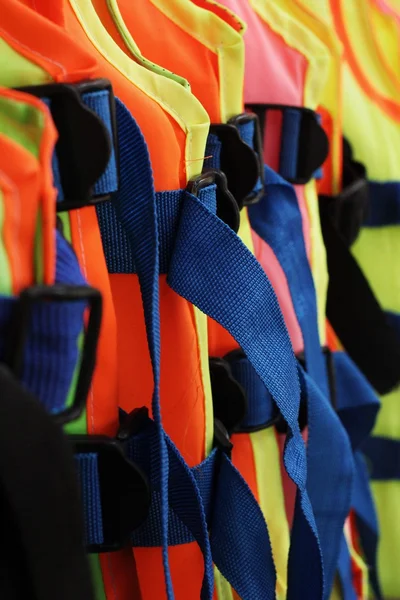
[
  {"x": 349, "y": 209},
  {"x": 239, "y": 162},
  {"x": 258, "y": 152},
  {"x": 281, "y": 425},
  {"x": 313, "y": 146},
  {"x": 124, "y": 488},
  {"x": 221, "y": 438},
  {"x": 61, "y": 293},
  {"x": 83, "y": 147},
  {"x": 227, "y": 208},
  {"x": 229, "y": 398}
]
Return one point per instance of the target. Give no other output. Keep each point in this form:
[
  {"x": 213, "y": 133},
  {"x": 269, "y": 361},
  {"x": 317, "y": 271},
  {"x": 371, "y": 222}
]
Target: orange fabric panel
[
  {"x": 44, "y": 43},
  {"x": 40, "y": 41},
  {"x": 182, "y": 410},
  {"x": 187, "y": 568},
  {"x": 243, "y": 459},
  {"x": 197, "y": 64},
  {"x": 20, "y": 186},
  {"x": 35, "y": 190},
  {"x": 166, "y": 143},
  {"x": 119, "y": 575},
  {"x": 277, "y": 277},
  {"x": 108, "y": 22}
]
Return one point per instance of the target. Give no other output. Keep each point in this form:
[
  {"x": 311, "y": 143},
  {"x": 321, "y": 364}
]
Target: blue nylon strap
[
  {"x": 247, "y": 132},
  {"x": 384, "y": 204},
  {"x": 51, "y": 351},
  {"x": 357, "y": 403},
  {"x": 213, "y": 152},
  {"x": 277, "y": 220},
  {"x": 330, "y": 475},
  {"x": 168, "y": 202},
  {"x": 358, "y": 406},
  {"x": 89, "y": 481},
  {"x": 367, "y": 522},
  {"x": 98, "y": 102},
  {"x": 261, "y": 408},
  {"x": 135, "y": 207},
  {"x": 214, "y": 496},
  {"x": 345, "y": 572},
  {"x": 116, "y": 247},
  {"x": 290, "y": 143},
  {"x": 239, "y": 537},
  {"x": 383, "y": 456},
  {"x": 209, "y": 257}
]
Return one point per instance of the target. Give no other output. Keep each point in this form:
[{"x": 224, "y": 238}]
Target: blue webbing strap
[
  {"x": 216, "y": 491},
  {"x": 358, "y": 406},
  {"x": 136, "y": 209},
  {"x": 209, "y": 497},
  {"x": 261, "y": 408},
  {"x": 247, "y": 132},
  {"x": 384, "y": 204},
  {"x": 99, "y": 102},
  {"x": 367, "y": 522},
  {"x": 290, "y": 138},
  {"x": 116, "y": 247},
  {"x": 356, "y": 402},
  {"x": 277, "y": 220},
  {"x": 209, "y": 256},
  {"x": 213, "y": 152},
  {"x": 51, "y": 351},
  {"x": 89, "y": 483},
  {"x": 383, "y": 458},
  {"x": 345, "y": 572}
]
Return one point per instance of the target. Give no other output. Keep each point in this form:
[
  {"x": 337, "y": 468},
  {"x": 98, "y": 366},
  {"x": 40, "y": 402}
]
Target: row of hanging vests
[{"x": 197, "y": 313}]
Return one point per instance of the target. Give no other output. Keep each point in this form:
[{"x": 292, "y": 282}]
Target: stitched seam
[
  {"x": 160, "y": 101},
  {"x": 35, "y": 52}
]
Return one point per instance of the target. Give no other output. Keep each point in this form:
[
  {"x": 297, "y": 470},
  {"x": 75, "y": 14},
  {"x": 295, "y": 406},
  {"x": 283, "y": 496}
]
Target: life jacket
[
  {"x": 273, "y": 362},
  {"x": 148, "y": 35},
  {"x": 203, "y": 72},
  {"x": 382, "y": 29},
  {"x": 373, "y": 89},
  {"x": 39, "y": 505},
  {"x": 330, "y": 180},
  {"x": 176, "y": 306}
]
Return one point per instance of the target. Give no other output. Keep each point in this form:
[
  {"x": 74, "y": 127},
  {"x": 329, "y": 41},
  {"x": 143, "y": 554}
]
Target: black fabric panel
[{"x": 42, "y": 556}]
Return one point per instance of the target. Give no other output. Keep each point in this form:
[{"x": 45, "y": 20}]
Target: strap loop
[
  {"x": 26, "y": 308},
  {"x": 236, "y": 149},
  {"x": 84, "y": 163},
  {"x": 115, "y": 491},
  {"x": 304, "y": 144},
  {"x": 349, "y": 209}
]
